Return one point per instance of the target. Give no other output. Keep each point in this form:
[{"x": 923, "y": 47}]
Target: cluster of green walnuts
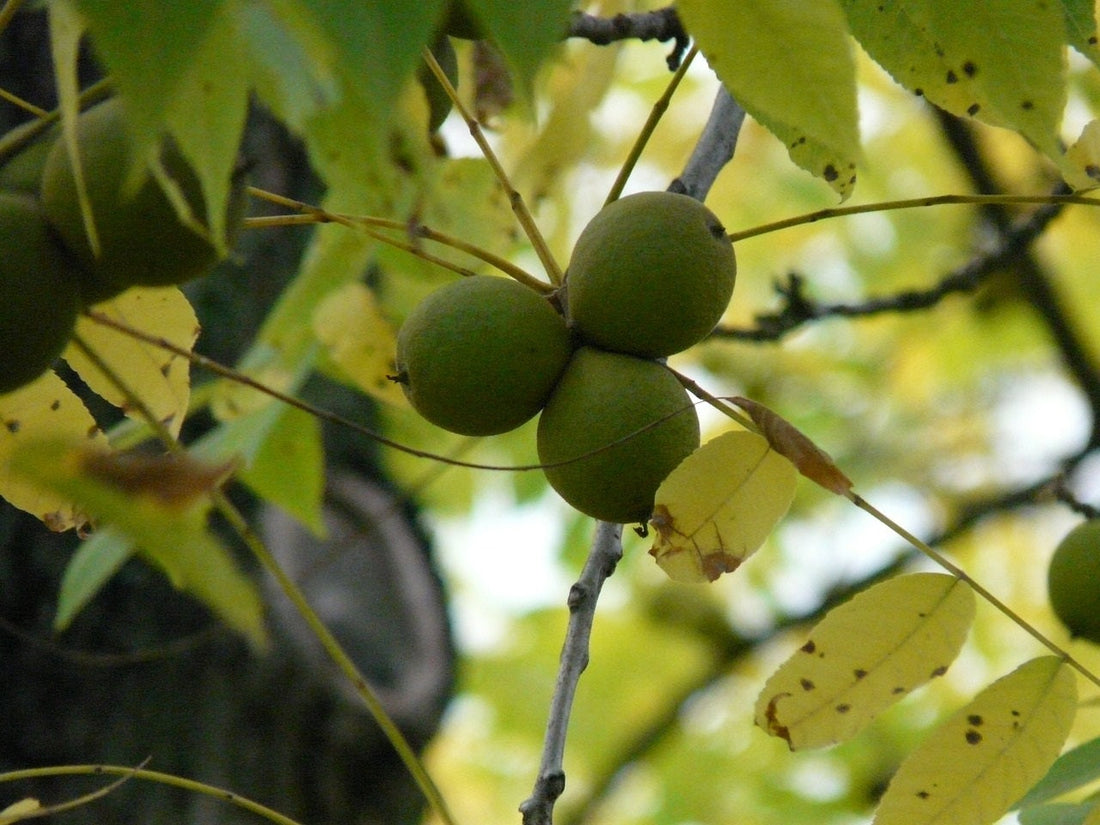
[
  {"x": 49, "y": 269},
  {"x": 649, "y": 276}
]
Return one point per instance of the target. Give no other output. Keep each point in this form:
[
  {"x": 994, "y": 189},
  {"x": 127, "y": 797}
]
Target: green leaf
[
  {"x": 149, "y": 46},
  {"x": 288, "y": 470},
  {"x": 93, "y": 564},
  {"x": 1081, "y": 27},
  {"x": 207, "y": 116},
  {"x": 790, "y": 65},
  {"x": 972, "y": 767},
  {"x": 1085, "y": 813},
  {"x": 864, "y": 656},
  {"x": 160, "y": 504},
  {"x": 525, "y": 31},
  {"x": 1074, "y": 769},
  {"x": 1002, "y": 63},
  {"x": 719, "y": 505}
]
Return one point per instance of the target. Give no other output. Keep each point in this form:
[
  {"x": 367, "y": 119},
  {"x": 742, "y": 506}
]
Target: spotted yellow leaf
[
  {"x": 864, "y": 656},
  {"x": 159, "y": 378},
  {"x": 973, "y": 767},
  {"x": 45, "y": 408},
  {"x": 717, "y": 507},
  {"x": 1003, "y": 63},
  {"x": 360, "y": 342}
]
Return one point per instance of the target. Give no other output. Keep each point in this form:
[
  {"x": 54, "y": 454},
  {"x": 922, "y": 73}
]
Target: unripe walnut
[
  {"x": 650, "y": 275},
  {"x": 480, "y": 356},
  {"x": 39, "y": 296},
  {"x": 142, "y": 239},
  {"x": 1073, "y": 580},
  {"x": 603, "y": 397}
]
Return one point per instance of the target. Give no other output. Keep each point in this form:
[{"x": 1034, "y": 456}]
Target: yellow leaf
[
  {"x": 974, "y": 766},
  {"x": 1081, "y": 164},
  {"x": 864, "y": 656},
  {"x": 45, "y": 408},
  {"x": 719, "y": 505},
  {"x": 359, "y": 340},
  {"x": 160, "y": 379}
]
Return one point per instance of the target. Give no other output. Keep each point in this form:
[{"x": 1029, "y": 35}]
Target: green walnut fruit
[
  {"x": 143, "y": 241},
  {"x": 650, "y": 275},
  {"x": 39, "y": 293},
  {"x": 1073, "y": 580},
  {"x": 603, "y": 397},
  {"x": 480, "y": 356},
  {"x": 22, "y": 171}
]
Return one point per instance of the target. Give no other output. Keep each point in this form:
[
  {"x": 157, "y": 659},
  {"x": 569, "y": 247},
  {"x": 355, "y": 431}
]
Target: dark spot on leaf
[
  {"x": 898, "y": 690},
  {"x": 973, "y": 109},
  {"x": 919, "y": 92},
  {"x": 970, "y": 68},
  {"x": 12, "y": 425},
  {"x": 843, "y": 708},
  {"x": 1092, "y": 40},
  {"x": 859, "y": 673},
  {"x": 829, "y": 173},
  {"x": 809, "y": 647},
  {"x": 1027, "y": 105},
  {"x": 1093, "y": 171},
  {"x": 1015, "y": 713},
  {"x": 942, "y": 669},
  {"x": 772, "y": 719},
  {"x": 975, "y": 720},
  {"x": 923, "y": 794},
  {"x": 55, "y": 405},
  {"x": 951, "y": 76},
  {"x": 166, "y": 368},
  {"x": 973, "y": 737},
  {"x": 806, "y": 684}
]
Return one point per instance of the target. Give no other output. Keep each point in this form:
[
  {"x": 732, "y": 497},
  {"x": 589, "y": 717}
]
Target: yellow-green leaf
[
  {"x": 790, "y": 65},
  {"x": 160, "y": 508},
  {"x": 360, "y": 341},
  {"x": 159, "y": 378},
  {"x": 45, "y": 408},
  {"x": 719, "y": 505},
  {"x": 1081, "y": 166},
  {"x": 1002, "y": 63},
  {"x": 972, "y": 767},
  {"x": 864, "y": 656}
]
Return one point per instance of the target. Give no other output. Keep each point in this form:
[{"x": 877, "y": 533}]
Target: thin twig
[
  {"x": 606, "y": 551},
  {"x": 660, "y": 24}
]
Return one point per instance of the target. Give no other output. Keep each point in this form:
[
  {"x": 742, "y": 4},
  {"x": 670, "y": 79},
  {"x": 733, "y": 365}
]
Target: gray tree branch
[{"x": 606, "y": 551}]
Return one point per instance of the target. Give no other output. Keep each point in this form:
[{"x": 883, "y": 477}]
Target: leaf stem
[
  {"x": 310, "y": 214},
  {"x": 962, "y": 575},
  {"x": 910, "y": 203},
  {"x": 660, "y": 106},
  {"x": 515, "y": 199},
  {"x": 151, "y": 776},
  {"x": 332, "y": 647}
]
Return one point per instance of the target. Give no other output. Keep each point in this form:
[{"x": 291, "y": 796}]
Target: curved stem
[
  {"x": 515, "y": 199},
  {"x": 910, "y": 203}
]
